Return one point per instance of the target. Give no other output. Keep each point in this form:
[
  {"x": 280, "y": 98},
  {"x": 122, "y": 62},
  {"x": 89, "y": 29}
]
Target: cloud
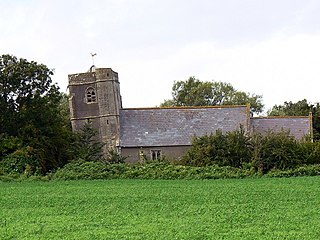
[
  {"x": 281, "y": 68},
  {"x": 264, "y": 47}
]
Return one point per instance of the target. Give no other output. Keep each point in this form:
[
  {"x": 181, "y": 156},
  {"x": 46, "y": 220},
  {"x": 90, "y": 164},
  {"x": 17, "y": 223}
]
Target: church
[{"x": 154, "y": 133}]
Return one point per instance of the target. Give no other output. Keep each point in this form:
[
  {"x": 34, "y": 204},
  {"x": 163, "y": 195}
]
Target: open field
[{"x": 263, "y": 208}]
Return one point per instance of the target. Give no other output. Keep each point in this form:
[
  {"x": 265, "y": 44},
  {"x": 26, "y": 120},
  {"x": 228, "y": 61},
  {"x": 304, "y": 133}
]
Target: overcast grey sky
[{"x": 267, "y": 47}]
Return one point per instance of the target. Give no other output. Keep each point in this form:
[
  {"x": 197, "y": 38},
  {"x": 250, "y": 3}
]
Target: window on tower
[{"x": 91, "y": 95}]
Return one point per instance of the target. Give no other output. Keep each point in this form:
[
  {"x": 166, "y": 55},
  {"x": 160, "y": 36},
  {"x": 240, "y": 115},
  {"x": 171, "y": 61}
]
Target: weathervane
[{"x": 93, "y": 55}]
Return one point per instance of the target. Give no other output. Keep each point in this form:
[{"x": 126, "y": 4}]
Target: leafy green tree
[
  {"x": 194, "y": 92},
  {"x": 31, "y": 111},
  {"x": 300, "y": 108}
]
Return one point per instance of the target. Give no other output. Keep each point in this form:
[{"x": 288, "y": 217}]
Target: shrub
[
  {"x": 306, "y": 170},
  {"x": 230, "y": 149},
  {"x": 310, "y": 152},
  {"x": 155, "y": 170},
  {"x": 275, "y": 151},
  {"x": 91, "y": 170},
  {"x": 207, "y": 150},
  {"x": 9, "y": 144},
  {"x": 262, "y": 152},
  {"x": 20, "y": 161},
  {"x": 115, "y": 157},
  {"x": 239, "y": 146},
  {"x": 81, "y": 170}
]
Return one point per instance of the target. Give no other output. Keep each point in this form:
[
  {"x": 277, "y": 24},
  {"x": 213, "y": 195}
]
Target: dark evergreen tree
[{"x": 86, "y": 145}]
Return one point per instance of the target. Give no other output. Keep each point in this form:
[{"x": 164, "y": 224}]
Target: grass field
[{"x": 262, "y": 208}]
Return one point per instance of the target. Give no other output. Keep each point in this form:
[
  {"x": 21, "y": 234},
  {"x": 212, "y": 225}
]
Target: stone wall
[
  {"x": 171, "y": 153},
  {"x": 101, "y": 107}
]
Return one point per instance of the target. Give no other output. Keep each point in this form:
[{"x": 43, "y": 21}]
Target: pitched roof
[
  {"x": 176, "y": 126},
  {"x": 298, "y": 126}
]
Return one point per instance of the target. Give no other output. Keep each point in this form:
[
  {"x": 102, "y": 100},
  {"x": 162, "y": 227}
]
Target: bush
[
  {"x": 206, "y": 150},
  {"x": 20, "y": 161},
  {"x": 8, "y": 145},
  {"x": 307, "y": 170},
  {"x": 231, "y": 149},
  {"x": 91, "y": 170},
  {"x": 239, "y": 146},
  {"x": 262, "y": 152},
  {"x": 310, "y": 152},
  {"x": 115, "y": 157},
  {"x": 275, "y": 151},
  {"x": 155, "y": 170}
]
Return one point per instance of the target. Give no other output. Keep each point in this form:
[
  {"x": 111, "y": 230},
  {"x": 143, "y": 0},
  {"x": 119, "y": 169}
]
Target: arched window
[{"x": 91, "y": 95}]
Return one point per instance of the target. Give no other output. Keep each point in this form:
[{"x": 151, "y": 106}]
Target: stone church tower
[{"x": 95, "y": 96}]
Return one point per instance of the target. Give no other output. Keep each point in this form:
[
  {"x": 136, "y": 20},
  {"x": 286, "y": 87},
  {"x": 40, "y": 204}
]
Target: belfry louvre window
[
  {"x": 155, "y": 154},
  {"x": 91, "y": 95}
]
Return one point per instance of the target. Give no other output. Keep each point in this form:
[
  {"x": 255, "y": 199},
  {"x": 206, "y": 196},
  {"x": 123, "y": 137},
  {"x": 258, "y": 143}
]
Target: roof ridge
[
  {"x": 270, "y": 117},
  {"x": 186, "y": 107}
]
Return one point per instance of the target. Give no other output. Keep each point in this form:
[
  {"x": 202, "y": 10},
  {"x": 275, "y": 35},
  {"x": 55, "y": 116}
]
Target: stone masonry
[{"x": 95, "y": 96}]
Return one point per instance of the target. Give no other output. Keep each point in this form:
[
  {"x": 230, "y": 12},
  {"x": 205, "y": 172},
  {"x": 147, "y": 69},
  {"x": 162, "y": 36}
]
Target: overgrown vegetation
[
  {"x": 88, "y": 148},
  {"x": 155, "y": 170},
  {"x": 261, "y": 152},
  {"x": 220, "y": 155},
  {"x": 231, "y": 149},
  {"x": 165, "y": 170}
]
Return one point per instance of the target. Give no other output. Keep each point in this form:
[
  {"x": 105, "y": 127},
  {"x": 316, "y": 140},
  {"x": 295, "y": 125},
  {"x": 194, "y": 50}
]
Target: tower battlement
[{"x": 93, "y": 75}]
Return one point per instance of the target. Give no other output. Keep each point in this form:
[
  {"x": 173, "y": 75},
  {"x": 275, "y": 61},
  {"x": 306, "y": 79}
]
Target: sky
[{"x": 265, "y": 47}]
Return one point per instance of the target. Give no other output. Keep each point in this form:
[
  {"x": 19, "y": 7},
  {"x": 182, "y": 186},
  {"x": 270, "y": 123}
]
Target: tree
[
  {"x": 31, "y": 111},
  {"x": 300, "y": 108},
  {"x": 193, "y": 92},
  {"x": 86, "y": 146}
]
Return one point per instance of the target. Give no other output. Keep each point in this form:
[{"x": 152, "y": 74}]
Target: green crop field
[{"x": 262, "y": 208}]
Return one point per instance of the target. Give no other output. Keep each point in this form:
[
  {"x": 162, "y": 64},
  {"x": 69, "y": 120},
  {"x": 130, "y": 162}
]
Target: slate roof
[
  {"x": 298, "y": 126},
  {"x": 176, "y": 126}
]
